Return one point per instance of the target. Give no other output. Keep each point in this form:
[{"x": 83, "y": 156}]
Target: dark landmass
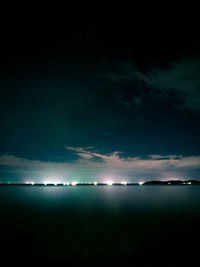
[{"x": 173, "y": 182}]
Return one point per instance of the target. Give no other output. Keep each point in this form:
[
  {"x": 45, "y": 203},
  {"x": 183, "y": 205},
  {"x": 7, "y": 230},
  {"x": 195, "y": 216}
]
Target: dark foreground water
[{"x": 137, "y": 225}]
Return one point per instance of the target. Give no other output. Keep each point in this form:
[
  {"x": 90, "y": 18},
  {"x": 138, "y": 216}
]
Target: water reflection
[{"x": 113, "y": 222}]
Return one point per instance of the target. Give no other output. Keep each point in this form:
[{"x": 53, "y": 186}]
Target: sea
[{"x": 96, "y": 226}]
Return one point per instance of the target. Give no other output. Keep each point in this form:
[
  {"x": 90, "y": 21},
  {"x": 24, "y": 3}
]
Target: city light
[{"x": 106, "y": 183}]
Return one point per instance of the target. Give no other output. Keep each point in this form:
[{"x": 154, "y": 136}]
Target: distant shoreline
[{"x": 153, "y": 182}]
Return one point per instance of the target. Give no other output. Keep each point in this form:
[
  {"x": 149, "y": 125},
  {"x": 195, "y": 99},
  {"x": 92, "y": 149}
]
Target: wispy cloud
[
  {"x": 117, "y": 160},
  {"x": 14, "y": 161},
  {"x": 91, "y": 160}
]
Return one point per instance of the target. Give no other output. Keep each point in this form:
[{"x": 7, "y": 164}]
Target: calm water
[{"x": 95, "y": 223}]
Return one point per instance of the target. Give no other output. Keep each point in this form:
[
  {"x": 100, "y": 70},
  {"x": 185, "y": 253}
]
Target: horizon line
[{"x": 107, "y": 183}]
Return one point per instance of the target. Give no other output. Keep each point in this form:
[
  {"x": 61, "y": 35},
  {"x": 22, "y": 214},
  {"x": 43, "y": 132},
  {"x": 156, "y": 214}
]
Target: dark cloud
[
  {"x": 181, "y": 78},
  {"x": 179, "y": 84}
]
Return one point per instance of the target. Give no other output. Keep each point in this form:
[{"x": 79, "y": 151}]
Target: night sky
[{"x": 100, "y": 91}]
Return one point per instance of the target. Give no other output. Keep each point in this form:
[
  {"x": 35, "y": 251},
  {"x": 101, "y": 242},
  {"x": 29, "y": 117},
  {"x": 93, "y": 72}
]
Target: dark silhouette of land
[{"x": 173, "y": 182}]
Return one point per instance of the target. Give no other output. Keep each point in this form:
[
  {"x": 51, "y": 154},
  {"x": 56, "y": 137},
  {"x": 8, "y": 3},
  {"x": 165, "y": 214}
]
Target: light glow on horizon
[
  {"x": 109, "y": 183},
  {"x": 106, "y": 182}
]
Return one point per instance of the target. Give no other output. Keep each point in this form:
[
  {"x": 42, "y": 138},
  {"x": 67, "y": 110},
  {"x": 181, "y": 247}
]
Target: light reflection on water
[
  {"x": 160, "y": 198},
  {"x": 100, "y": 221}
]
